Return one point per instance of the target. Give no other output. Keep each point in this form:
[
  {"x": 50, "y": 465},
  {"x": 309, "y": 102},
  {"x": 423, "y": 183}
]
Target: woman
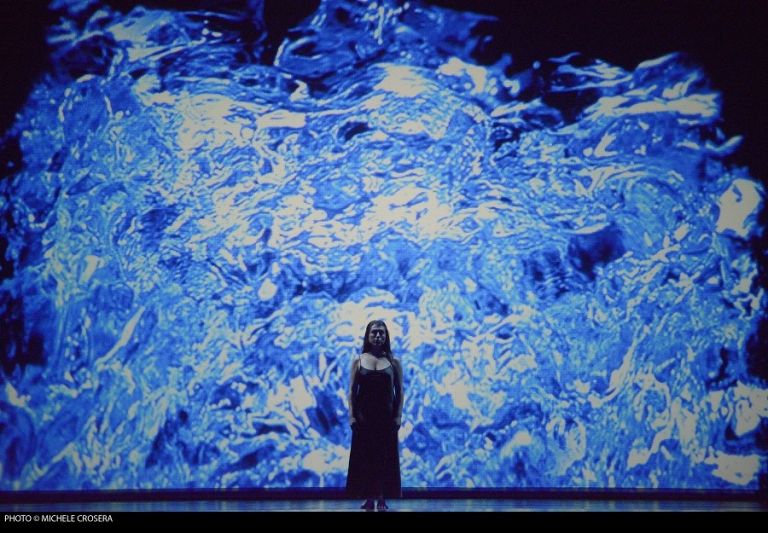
[{"x": 375, "y": 410}]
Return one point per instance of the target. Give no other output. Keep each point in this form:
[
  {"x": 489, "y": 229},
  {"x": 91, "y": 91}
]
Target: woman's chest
[{"x": 370, "y": 362}]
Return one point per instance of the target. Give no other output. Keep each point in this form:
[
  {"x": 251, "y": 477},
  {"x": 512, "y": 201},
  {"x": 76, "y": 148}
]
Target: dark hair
[{"x": 367, "y": 345}]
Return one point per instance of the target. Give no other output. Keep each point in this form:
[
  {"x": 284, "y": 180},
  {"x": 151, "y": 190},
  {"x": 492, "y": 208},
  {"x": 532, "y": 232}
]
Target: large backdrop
[{"x": 197, "y": 221}]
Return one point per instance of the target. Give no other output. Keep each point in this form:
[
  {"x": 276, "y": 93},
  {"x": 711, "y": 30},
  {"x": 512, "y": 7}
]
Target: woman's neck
[{"x": 377, "y": 351}]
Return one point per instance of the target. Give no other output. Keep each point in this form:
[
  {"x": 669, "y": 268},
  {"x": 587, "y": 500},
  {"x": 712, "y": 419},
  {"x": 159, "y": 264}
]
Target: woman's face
[{"x": 377, "y": 335}]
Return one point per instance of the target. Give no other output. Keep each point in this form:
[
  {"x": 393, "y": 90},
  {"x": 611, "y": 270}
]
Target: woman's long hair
[{"x": 367, "y": 345}]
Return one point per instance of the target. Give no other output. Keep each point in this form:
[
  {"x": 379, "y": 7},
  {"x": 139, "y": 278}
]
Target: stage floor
[{"x": 404, "y": 505}]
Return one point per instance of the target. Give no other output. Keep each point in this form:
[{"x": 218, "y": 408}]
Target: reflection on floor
[{"x": 407, "y": 505}]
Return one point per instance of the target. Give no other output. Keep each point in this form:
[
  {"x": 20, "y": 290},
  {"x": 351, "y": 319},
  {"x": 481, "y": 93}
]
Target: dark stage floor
[{"x": 405, "y": 505}]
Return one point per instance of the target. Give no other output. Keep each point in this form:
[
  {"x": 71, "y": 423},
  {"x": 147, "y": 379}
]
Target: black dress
[{"x": 374, "y": 459}]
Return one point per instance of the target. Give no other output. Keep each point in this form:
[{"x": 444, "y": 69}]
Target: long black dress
[{"x": 374, "y": 459}]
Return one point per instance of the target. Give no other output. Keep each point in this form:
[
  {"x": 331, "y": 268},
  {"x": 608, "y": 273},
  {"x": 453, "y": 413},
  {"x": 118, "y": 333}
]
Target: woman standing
[{"x": 375, "y": 410}]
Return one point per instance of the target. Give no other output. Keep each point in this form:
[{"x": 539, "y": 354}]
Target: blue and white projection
[{"x": 194, "y": 241}]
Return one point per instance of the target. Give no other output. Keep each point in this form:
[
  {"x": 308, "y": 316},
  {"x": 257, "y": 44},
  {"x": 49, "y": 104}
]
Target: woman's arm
[
  {"x": 398, "y": 391},
  {"x": 351, "y": 397}
]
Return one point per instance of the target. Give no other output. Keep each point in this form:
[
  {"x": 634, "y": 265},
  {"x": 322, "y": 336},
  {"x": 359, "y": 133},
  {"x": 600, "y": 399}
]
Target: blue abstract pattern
[{"x": 196, "y": 239}]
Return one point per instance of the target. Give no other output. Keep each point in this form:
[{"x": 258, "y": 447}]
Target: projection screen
[{"x": 199, "y": 214}]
